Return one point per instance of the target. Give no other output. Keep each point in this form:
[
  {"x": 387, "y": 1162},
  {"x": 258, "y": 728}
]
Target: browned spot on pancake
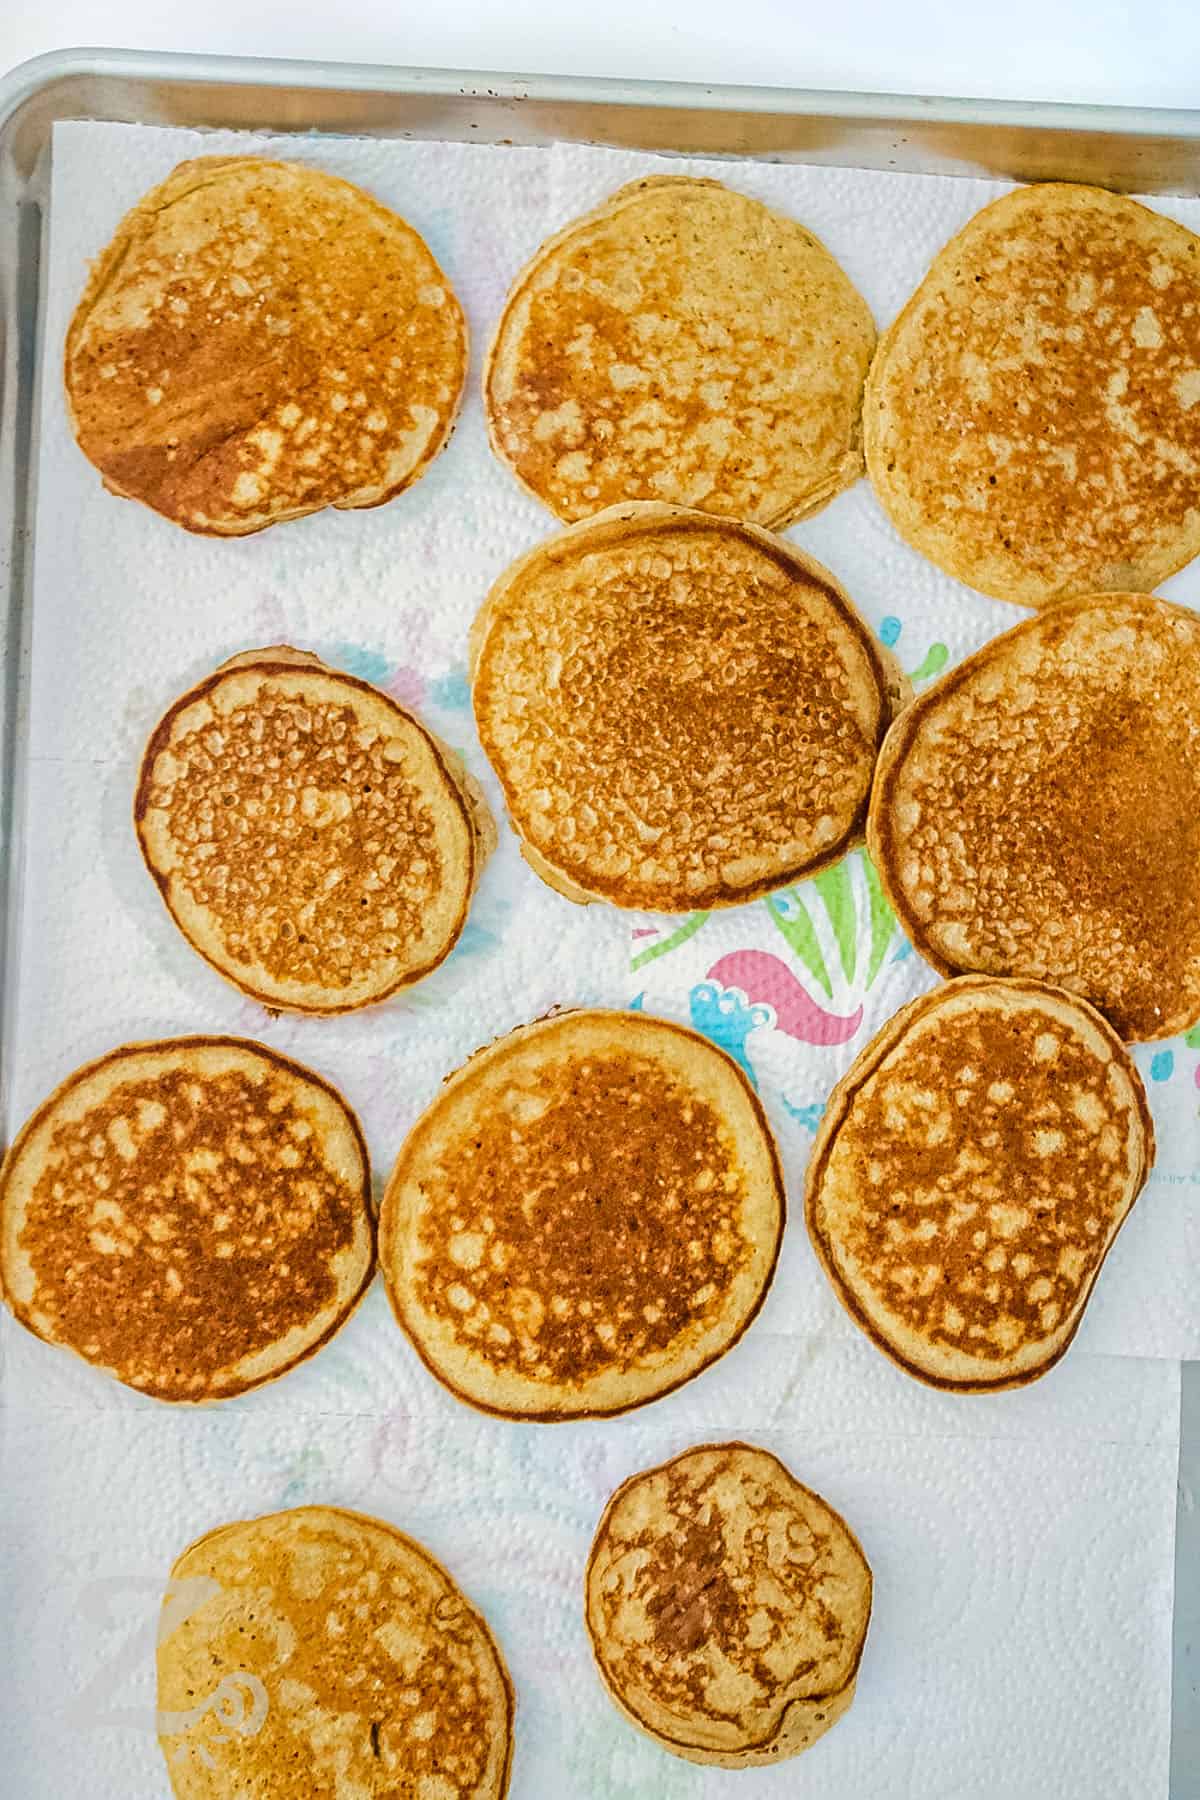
[
  {"x": 720, "y": 1593},
  {"x": 1038, "y": 812},
  {"x": 183, "y": 1225},
  {"x": 262, "y": 340},
  {"x": 592, "y": 1219},
  {"x": 380, "y": 1677},
  {"x": 1033, "y": 417},
  {"x": 984, "y": 1177},
  {"x": 314, "y": 848},
  {"x": 681, "y": 715}
]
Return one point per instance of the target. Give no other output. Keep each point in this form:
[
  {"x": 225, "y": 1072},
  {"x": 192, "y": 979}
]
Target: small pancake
[
  {"x": 322, "y": 1655},
  {"x": 1032, "y": 418},
  {"x": 682, "y": 343},
  {"x": 683, "y": 712},
  {"x": 192, "y": 1216},
  {"x": 261, "y": 340},
  {"x": 1037, "y": 811},
  {"x": 970, "y": 1174},
  {"x": 727, "y": 1607},
  {"x": 311, "y": 839},
  {"x": 588, "y": 1215}
]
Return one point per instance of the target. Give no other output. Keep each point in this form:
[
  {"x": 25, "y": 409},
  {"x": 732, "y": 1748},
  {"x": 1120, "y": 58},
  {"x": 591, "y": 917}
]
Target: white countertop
[{"x": 1101, "y": 50}]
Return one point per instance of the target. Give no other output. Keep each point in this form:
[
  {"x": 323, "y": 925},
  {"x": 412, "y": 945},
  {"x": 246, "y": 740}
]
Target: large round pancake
[
  {"x": 261, "y": 340},
  {"x": 317, "y": 1655},
  {"x": 727, "y": 1607},
  {"x": 682, "y": 343},
  {"x": 1032, "y": 418},
  {"x": 309, "y": 836},
  {"x": 587, "y": 1216},
  {"x": 192, "y": 1216},
  {"x": 682, "y": 711},
  {"x": 970, "y": 1174},
  {"x": 1037, "y": 811}
]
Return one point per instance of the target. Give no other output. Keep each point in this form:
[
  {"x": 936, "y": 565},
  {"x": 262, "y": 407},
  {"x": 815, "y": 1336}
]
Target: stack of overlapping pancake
[
  {"x": 1032, "y": 418},
  {"x": 727, "y": 1607},
  {"x": 588, "y": 1215},
  {"x": 191, "y": 1216},
  {"x": 970, "y": 1174},
  {"x": 319, "y": 1652},
  {"x": 1037, "y": 812},
  {"x": 682, "y": 711},
  {"x": 682, "y": 343},
  {"x": 310, "y": 837},
  {"x": 261, "y": 340}
]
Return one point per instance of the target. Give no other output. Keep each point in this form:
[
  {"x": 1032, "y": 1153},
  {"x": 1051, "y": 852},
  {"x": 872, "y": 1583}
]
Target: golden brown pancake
[
  {"x": 311, "y": 839},
  {"x": 192, "y": 1216},
  {"x": 727, "y": 1607},
  {"x": 682, "y": 343},
  {"x": 322, "y": 1655},
  {"x": 588, "y": 1215},
  {"x": 261, "y": 340},
  {"x": 1037, "y": 811},
  {"x": 1032, "y": 418},
  {"x": 683, "y": 712},
  {"x": 970, "y": 1174}
]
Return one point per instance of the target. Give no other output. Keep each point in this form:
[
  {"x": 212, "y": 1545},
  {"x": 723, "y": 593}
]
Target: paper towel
[
  {"x": 1021, "y": 1546},
  {"x": 1022, "y": 1543}
]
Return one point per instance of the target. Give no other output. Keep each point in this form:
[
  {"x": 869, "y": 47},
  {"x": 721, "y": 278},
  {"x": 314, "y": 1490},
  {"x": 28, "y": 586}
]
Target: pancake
[
  {"x": 970, "y": 1174},
  {"x": 1032, "y": 418},
  {"x": 587, "y": 1216},
  {"x": 321, "y": 1655},
  {"x": 311, "y": 839},
  {"x": 191, "y": 1216},
  {"x": 727, "y": 1607},
  {"x": 683, "y": 712},
  {"x": 682, "y": 343},
  {"x": 1037, "y": 812},
  {"x": 261, "y": 340}
]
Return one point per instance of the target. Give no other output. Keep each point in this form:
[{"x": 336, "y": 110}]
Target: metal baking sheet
[{"x": 1137, "y": 150}]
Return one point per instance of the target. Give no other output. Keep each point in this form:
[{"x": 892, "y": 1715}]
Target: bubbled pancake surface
[
  {"x": 1037, "y": 811},
  {"x": 683, "y": 343},
  {"x": 1032, "y": 418},
  {"x": 682, "y": 711},
  {"x": 191, "y": 1216},
  {"x": 309, "y": 836},
  {"x": 970, "y": 1174},
  {"x": 350, "y": 1659},
  {"x": 727, "y": 1607},
  {"x": 261, "y": 340},
  {"x": 587, "y": 1216}
]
